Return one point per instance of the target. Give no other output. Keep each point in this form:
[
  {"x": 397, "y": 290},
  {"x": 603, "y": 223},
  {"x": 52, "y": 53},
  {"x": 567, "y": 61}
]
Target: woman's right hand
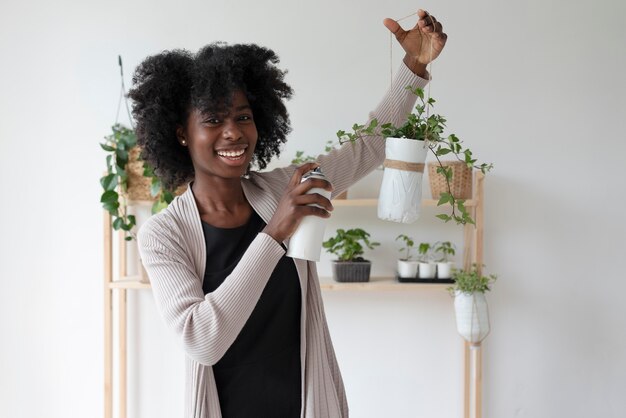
[{"x": 294, "y": 204}]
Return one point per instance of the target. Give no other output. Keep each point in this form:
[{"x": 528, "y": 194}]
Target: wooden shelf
[
  {"x": 338, "y": 202},
  {"x": 379, "y": 283},
  {"x": 374, "y": 202},
  {"x": 326, "y": 283},
  {"x": 129, "y": 282},
  {"x": 116, "y": 290}
]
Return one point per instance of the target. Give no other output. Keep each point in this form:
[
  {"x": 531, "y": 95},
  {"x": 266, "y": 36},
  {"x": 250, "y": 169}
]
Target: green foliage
[
  {"x": 300, "y": 158},
  {"x": 425, "y": 251},
  {"x": 471, "y": 281},
  {"x": 408, "y": 245},
  {"x": 118, "y": 145},
  {"x": 421, "y": 125},
  {"x": 446, "y": 249},
  {"x": 163, "y": 196},
  {"x": 346, "y": 244}
]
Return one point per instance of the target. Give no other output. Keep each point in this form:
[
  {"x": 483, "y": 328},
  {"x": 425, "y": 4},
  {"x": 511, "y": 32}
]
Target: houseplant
[
  {"x": 407, "y": 267},
  {"x": 406, "y": 150},
  {"x": 470, "y": 304},
  {"x": 348, "y": 247},
  {"x": 445, "y": 250},
  {"x": 427, "y": 267},
  {"x": 127, "y": 177}
]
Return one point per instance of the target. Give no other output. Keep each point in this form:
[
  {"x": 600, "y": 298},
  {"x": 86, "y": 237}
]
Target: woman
[{"x": 251, "y": 320}]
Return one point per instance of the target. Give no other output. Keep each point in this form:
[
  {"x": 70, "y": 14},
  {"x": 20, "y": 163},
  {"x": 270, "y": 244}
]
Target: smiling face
[{"x": 221, "y": 144}]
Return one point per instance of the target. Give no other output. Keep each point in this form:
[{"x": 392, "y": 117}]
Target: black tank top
[{"x": 259, "y": 375}]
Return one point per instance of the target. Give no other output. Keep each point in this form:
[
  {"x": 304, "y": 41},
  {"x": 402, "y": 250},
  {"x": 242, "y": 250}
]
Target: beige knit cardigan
[{"x": 173, "y": 251}]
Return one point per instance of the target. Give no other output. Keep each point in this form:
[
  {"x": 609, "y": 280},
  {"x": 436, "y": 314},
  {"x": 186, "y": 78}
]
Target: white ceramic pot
[
  {"x": 427, "y": 270},
  {"x": 400, "y": 195},
  {"x": 472, "y": 316},
  {"x": 407, "y": 269},
  {"x": 444, "y": 269}
]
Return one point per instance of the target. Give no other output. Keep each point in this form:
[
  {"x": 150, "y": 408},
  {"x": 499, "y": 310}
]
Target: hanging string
[
  {"x": 391, "y": 47},
  {"x": 429, "y": 67},
  {"x": 123, "y": 96}
]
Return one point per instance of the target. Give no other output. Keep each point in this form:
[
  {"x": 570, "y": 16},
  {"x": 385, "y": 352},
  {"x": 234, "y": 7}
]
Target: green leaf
[
  {"x": 168, "y": 196},
  {"x": 444, "y": 217},
  {"x": 155, "y": 187},
  {"x": 121, "y": 156},
  {"x": 158, "y": 206},
  {"x": 109, "y": 196},
  {"x": 118, "y": 223},
  {"x": 107, "y": 147},
  {"x": 109, "y": 182},
  {"x": 111, "y": 207},
  {"x": 443, "y": 199}
]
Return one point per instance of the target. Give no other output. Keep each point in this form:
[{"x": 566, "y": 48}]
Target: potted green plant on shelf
[
  {"x": 348, "y": 246},
  {"x": 407, "y": 267},
  {"x": 445, "y": 250},
  {"x": 427, "y": 267},
  {"x": 470, "y": 303},
  {"x": 406, "y": 149}
]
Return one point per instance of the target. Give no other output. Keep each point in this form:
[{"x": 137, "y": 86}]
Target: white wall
[{"x": 534, "y": 86}]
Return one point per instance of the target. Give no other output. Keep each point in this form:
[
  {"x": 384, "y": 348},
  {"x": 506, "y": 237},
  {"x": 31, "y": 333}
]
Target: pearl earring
[{"x": 183, "y": 142}]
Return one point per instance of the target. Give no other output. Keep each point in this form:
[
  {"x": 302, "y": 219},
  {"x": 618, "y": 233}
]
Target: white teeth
[{"x": 231, "y": 154}]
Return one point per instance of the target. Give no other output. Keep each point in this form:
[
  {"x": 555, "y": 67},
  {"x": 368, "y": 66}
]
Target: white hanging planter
[
  {"x": 472, "y": 316},
  {"x": 400, "y": 194}
]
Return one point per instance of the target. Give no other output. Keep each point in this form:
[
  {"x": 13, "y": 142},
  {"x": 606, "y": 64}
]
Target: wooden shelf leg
[
  {"x": 122, "y": 350},
  {"x": 108, "y": 313},
  {"x": 467, "y": 380},
  {"x": 478, "y": 380}
]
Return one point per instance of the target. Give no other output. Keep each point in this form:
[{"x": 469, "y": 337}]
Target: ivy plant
[
  {"x": 300, "y": 158},
  {"x": 115, "y": 181},
  {"x": 347, "y": 244},
  {"x": 118, "y": 145},
  {"x": 423, "y": 126},
  {"x": 471, "y": 281}
]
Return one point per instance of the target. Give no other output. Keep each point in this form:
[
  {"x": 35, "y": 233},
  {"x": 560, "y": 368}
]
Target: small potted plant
[
  {"x": 427, "y": 267},
  {"x": 445, "y": 250},
  {"x": 470, "y": 304},
  {"x": 407, "y": 267},
  {"x": 406, "y": 149},
  {"x": 348, "y": 247}
]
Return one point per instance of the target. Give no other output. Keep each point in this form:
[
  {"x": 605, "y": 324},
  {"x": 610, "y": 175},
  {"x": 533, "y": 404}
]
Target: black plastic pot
[{"x": 351, "y": 271}]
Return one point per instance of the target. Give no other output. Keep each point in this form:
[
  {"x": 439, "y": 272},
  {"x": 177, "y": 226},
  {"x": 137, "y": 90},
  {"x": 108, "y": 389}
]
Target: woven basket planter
[
  {"x": 138, "y": 184},
  {"x": 461, "y": 184},
  {"x": 351, "y": 271}
]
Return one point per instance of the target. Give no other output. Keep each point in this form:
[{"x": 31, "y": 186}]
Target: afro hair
[{"x": 169, "y": 85}]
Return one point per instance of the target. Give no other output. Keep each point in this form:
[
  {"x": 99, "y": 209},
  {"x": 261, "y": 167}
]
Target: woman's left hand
[{"x": 422, "y": 44}]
